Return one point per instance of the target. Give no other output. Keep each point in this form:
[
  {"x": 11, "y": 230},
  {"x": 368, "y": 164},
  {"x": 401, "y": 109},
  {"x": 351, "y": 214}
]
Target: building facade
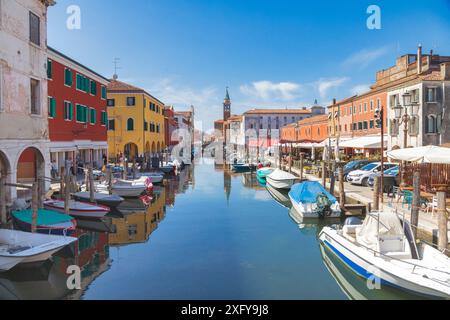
[
  {"x": 24, "y": 140},
  {"x": 170, "y": 127},
  {"x": 76, "y": 111},
  {"x": 135, "y": 122}
]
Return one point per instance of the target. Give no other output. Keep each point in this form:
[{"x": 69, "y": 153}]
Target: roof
[
  {"x": 116, "y": 86},
  {"x": 278, "y": 111},
  {"x": 235, "y": 118},
  {"x": 76, "y": 62},
  {"x": 315, "y": 119},
  {"x": 227, "y": 95}
]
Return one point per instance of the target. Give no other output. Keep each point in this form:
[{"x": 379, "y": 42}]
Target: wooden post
[
  {"x": 290, "y": 159},
  {"x": 62, "y": 173},
  {"x": 86, "y": 179},
  {"x": 324, "y": 174},
  {"x": 415, "y": 203},
  {"x": 332, "y": 177},
  {"x": 91, "y": 184},
  {"x": 34, "y": 206},
  {"x": 134, "y": 168},
  {"x": 280, "y": 151},
  {"x": 443, "y": 220},
  {"x": 125, "y": 171},
  {"x": 301, "y": 165},
  {"x": 109, "y": 179},
  {"x": 3, "y": 216},
  {"x": 376, "y": 194},
  {"x": 67, "y": 194},
  {"x": 40, "y": 183},
  {"x": 341, "y": 186}
]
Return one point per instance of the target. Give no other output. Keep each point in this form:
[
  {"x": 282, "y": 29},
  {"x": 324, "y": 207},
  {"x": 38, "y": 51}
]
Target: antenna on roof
[{"x": 116, "y": 67}]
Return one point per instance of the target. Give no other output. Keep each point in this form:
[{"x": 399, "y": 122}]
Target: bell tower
[{"x": 226, "y": 106}]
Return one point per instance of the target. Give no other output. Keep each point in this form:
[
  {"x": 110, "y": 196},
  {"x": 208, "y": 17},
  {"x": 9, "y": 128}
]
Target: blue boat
[
  {"x": 243, "y": 167},
  {"x": 311, "y": 200},
  {"x": 48, "y": 222},
  {"x": 262, "y": 173}
]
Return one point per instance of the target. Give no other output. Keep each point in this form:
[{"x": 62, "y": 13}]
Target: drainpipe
[{"x": 419, "y": 59}]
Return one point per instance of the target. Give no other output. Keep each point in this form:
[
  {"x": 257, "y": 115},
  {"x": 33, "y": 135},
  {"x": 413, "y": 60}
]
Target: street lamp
[{"x": 402, "y": 116}]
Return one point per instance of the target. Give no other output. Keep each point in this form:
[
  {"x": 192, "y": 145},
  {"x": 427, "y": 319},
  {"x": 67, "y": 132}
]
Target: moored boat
[
  {"x": 243, "y": 167},
  {"x": 18, "y": 247},
  {"x": 78, "y": 209},
  {"x": 280, "y": 196},
  {"x": 311, "y": 200},
  {"x": 48, "y": 222},
  {"x": 105, "y": 199},
  {"x": 128, "y": 188},
  {"x": 280, "y": 179},
  {"x": 383, "y": 249},
  {"x": 264, "y": 172}
]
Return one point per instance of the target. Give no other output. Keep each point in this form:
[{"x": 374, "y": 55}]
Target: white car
[{"x": 362, "y": 175}]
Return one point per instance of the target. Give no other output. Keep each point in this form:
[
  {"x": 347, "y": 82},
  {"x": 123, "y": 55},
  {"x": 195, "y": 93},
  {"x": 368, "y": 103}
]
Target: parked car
[
  {"x": 353, "y": 165},
  {"x": 392, "y": 172},
  {"x": 361, "y": 176}
]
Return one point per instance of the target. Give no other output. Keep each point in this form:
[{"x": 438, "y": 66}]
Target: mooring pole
[
  {"x": 302, "y": 159},
  {"x": 341, "y": 186},
  {"x": 332, "y": 177},
  {"x": 134, "y": 168},
  {"x": 125, "y": 171},
  {"x": 290, "y": 159},
  {"x": 62, "y": 173},
  {"x": 324, "y": 174},
  {"x": 91, "y": 184},
  {"x": 86, "y": 179},
  {"x": 3, "y": 217},
  {"x": 415, "y": 203},
  {"x": 67, "y": 194},
  {"x": 109, "y": 177},
  {"x": 34, "y": 206},
  {"x": 376, "y": 194},
  {"x": 443, "y": 219}
]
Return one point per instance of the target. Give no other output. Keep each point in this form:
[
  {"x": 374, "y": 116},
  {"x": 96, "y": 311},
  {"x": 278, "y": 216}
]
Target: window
[
  {"x": 413, "y": 127},
  {"x": 49, "y": 69},
  {"x": 379, "y": 103},
  {"x": 431, "y": 95},
  {"x": 51, "y": 107},
  {"x": 365, "y": 106},
  {"x": 103, "y": 93},
  {"x": 82, "y": 113},
  {"x": 131, "y": 101},
  {"x": 157, "y": 128},
  {"x": 365, "y": 125},
  {"x": 82, "y": 83},
  {"x": 415, "y": 96},
  {"x": 111, "y": 102},
  {"x": 68, "y": 111},
  {"x": 93, "y": 116},
  {"x": 68, "y": 80},
  {"x": 130, "y": 124},
  {"x": 430, "y": 125},
  {"x": 35, "y": 29},
  {"x": 145, "y": 126},
  {"x": 360, "y": 125},
  {"x": 35, "y": 96},
  {"x": 93, "y": 88},
  {"x": 371, "y": 105},
  {"x": 394, "y": 127},
  {"x": 372, "y": 124},
  {"x": 111, "y": 125},
  {"x": 393, "y": 101},
  {"x": 104, "y": 119},
  {"x": 439, "y": 123},
  {"x": 360, "y": 108}
]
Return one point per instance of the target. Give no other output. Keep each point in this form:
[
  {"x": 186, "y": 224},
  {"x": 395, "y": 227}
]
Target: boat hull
[
  {"x": 90, "y": 211},
  {"x": 107, "y": 201},
  {"x": 368, "y": 267},
  {"x": 60, "y": 229},
  {"x": 280, "y": 184},
  {"x": 300, "y": 210}
]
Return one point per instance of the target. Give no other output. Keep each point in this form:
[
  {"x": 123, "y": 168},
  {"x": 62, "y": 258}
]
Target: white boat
[
  {"x": 281, "y": 179},
  {"x": 311, "y": 200},
  {"x": 383, "y": 250},
  {"x": 78, "y": 209},
  {"x": 127, "y": 188},
  {"x": 156, "y": 177},
  {"x": 18, "y": 247},
  {"x": 280, "y": 196},
  {"x": 100, "y": 198}
]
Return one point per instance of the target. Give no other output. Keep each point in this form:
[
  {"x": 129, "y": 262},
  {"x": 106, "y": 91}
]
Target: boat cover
[
  {"x": 389, "y": 226},
  {"x": 45, "y": 217},
  {"x": 306, "y": 192},
  {"x": 281, "y": 175}
]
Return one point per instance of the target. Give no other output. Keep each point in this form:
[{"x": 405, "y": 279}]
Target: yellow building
[{"x": 135, "y": 121}]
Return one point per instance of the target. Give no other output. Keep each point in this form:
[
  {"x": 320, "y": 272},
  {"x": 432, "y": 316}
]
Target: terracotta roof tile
[{"x": 116, "y": 86}]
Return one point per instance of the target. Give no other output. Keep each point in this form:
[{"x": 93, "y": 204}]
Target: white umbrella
[{"x": 430, "y": 154}]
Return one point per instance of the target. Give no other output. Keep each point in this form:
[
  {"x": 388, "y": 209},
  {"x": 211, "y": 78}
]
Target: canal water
[{"x": 208, "y": 234}]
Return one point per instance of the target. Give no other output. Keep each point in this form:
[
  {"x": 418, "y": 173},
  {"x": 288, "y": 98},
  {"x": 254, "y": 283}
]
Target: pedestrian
[{"x": 54, "y": 170}]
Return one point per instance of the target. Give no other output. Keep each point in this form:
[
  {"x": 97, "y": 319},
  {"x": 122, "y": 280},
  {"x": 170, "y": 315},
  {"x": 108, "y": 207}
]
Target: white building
[{"x": 24, "y": 152}]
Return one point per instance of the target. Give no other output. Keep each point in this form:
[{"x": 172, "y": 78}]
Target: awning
[
  {"x": 367, "y": 142},
  {"x": 430, "y": 154},
  {"x": 306, "y": 145},
  {"x": 331, "y": 142}
]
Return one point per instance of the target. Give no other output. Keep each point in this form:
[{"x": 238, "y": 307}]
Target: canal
[{"x": 208, "y": 234}]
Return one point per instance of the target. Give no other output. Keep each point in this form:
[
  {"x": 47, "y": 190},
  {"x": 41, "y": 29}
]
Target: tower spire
[{"x": 226, "y": 106}]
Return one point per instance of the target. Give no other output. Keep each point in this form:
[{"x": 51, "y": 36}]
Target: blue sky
[{"x": 271, "y": 53}]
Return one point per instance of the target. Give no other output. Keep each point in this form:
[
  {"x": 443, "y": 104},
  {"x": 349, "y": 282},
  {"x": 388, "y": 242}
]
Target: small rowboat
[
  {"x": 280, "y": 179},
  {"x": 18, "y": 247},
  {"x": 105, "y": 199},
  {"x": 78, "y": 209},
  {"x": 128, "y": 188},
  {"x": 243, "y": 167},
  {"x": 263, "y": 173},
  {"x": 48, "y": 222}
]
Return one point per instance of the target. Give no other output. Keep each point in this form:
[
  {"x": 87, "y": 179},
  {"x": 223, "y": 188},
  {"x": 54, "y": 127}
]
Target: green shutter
[
  {"x": 68, "y": 77},
  {"x": 93, "y": 88},
  {"x": 103, "y": 92},
  {"x": 104, "y": 118},
  {"x": 71, "y": 111},
  {"x": 49, "y": 69},
  {"x": 93, "y": 116},
  {"x": 52, "y": 108}
]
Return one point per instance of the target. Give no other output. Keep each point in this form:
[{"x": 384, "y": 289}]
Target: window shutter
[
  {"x": 439, "y": 123},
  {"x": 49, "y": 69}
]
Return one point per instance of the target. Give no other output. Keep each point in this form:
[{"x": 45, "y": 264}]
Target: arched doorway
[
  {"x": 153, "y": 147},
  {"x": 147, "y": 147},
  {"x": 159, "y": 147},
  {"x": 131, "y": 151},
  {"x": 30, "y": 166}
]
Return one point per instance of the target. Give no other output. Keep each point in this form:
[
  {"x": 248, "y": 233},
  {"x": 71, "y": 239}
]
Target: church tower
[{"x": 226, "y": 106}]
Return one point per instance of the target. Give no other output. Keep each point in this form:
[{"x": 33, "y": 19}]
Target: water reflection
[{"x": 132, "y": 222}]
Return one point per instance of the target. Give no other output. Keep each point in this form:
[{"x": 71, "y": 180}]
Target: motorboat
[
  {"x": 48, "y": 222},
  {"x": 78, "y": 209},
  {"x": 311, "y": 200},
  {"x": 167, "y": 167},
  {"x": 128, "y": 188},
  {"x": 281, "y": 179},
  {"x": 243, "y": 167},
  {"x": 383, "y": 249},
  {"x": 280, "y": 196},
  {"x": 17, "y": 247},
  {"x": 262, "y": 173},
  {"x": 156, "y": 177},
  {"x": 105, "y": 199}
]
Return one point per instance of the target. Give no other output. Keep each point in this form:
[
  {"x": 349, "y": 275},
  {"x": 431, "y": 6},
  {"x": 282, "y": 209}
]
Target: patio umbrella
[{"x": 430, "y": 154}]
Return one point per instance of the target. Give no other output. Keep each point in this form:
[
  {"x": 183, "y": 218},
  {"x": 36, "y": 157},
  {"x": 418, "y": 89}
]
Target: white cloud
[
  {"x": 325, "y": 85},
  {"x": 267, "y": 90},
  {"x": 364, "y": 58},
  {"x": 359, "y": 89}
]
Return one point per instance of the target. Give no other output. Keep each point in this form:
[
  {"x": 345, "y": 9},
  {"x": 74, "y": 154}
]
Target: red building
[
  {"x": 170, "y": 126},
  {"x": 77, "y": 111}
]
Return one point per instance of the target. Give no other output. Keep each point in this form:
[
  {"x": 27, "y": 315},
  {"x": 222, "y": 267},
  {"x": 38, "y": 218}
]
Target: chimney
[{"x": 419, "y": 59}]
